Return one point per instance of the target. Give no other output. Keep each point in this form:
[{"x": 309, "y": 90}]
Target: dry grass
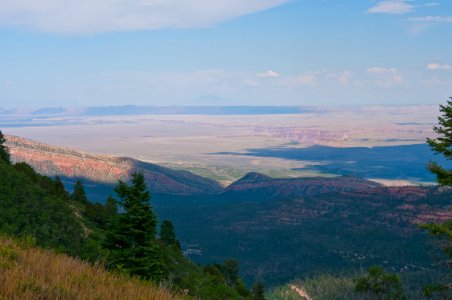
[{"x": 33, "y": 273}]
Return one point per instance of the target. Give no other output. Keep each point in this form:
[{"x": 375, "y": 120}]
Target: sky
[{"x": 224, "y": 52}]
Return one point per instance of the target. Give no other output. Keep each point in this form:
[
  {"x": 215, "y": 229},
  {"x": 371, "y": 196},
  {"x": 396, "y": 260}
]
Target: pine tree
[
  {"x": 4, "y": 153},
  {"x": 79, "y": 194},
  {"x": 443, "y": 144},
  {"x": 258, "y": 291},
  {"x": 167, "y": 235},
  {"x": 131, "y": 235},
  {"x": 231, "y": 271},
  {"x": 59, "y": 189},
  {"x": 110, "y": 208},
  {"x": 442, "y": 231}
]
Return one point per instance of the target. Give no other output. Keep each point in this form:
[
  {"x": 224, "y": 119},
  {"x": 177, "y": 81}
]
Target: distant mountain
[
  {"x": 51, "y": 161},
  {"x": 213, "y": 100},
  {"x": 125, "y": 110},
  {"x": 192, "y": 110},
  {"x": 101, "y": 172},
  {"x": 271, "y": 188}
]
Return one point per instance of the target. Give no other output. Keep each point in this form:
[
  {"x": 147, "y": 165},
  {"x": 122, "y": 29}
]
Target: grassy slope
[{"x": 32, "y": 273}]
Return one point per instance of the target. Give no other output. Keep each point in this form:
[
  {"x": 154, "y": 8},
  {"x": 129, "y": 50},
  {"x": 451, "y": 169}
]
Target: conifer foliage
[
  {"x": 167, "y": 234},
  {"x": 79, "y": 194},
  {"x": 4, "y": 154},
  {"x": 442, "y": 231},
  {"x": 258, "y": 291},
  {"x": 376, "y": 282},
  {"x": 130, "y": 238},
  {"x": 443, "y": 144}
]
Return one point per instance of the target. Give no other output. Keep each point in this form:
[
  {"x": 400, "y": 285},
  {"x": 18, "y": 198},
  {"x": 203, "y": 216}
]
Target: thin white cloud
[
  {"x": 386, "y": 76},
  {"x": 433, "y": 19},
  {"x": 321, "y": 77},
  {"x": 268, "y": 74},
  {"x": 381, "y": 71},
  {"x": 391, "y": 7},
  {"x": 94, "y": 16},
  {"x": 435, "y": 66},
  {"x": 344, "y": 77},
  {"x": 306, "y": 79}
]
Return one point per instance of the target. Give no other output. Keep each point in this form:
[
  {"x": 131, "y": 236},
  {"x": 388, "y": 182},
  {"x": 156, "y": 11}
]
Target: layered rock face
[{"x": 50, "y": 160}]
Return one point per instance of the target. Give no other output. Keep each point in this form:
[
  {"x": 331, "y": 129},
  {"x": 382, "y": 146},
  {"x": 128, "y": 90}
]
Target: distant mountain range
[
  {"x": 206, "y": 109},
  {"x": 105, "y": 170},
  {"x": 159, "y": 110}
]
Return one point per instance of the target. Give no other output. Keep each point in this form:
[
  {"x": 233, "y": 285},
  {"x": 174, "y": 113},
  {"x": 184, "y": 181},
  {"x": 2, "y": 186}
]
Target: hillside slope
[
  {"x": 281, "y": 239},
  {"x": 51, "y": 160},
  {"x": 37, "y": 208},
  {"x": 312, "y": 225},
  {"x": 270, "y": 188},
  {"x": 32, "y": 273}
]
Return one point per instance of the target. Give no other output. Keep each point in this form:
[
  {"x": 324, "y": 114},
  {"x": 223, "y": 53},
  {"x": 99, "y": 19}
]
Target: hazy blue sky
[{"x": 251, "y": 52}]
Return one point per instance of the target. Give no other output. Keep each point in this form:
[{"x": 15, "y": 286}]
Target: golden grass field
[{"x": 31, "y": 273}]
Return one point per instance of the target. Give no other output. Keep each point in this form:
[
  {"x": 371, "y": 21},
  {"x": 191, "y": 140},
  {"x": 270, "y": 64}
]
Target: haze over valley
[{"x": 224, "y": 145}]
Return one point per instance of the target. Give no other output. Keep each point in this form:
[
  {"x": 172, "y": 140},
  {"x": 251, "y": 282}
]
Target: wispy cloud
[
  {"x": 305, "y": 79},
  {"x": 93, "y": 16},
  {"x": 386, "y": 76},
  {"x": 435, "y": 66},
  {"x": 268, "y": 74},
  {"x": 391, "y": 7},
  {"x": 433, "y": 19},
  {"x": 381, "y": 71}
]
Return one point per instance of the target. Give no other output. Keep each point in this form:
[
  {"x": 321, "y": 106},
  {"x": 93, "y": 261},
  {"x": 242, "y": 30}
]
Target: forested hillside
[{"x": 123, "y": 235}]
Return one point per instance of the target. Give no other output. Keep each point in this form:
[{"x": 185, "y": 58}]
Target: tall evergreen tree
[
  {"x": 79, "y": 194},
  {"x": 4, "y": 153},
  {"x": 258, "y": 291},
  {"x": 59, "y": 189},
  {"x": 231, "y": 270},
  {"x": 167, "y": 235},
  {"x": 443, "y": 144},
  {"x": 110, "y": 208},
  {"x": 442, "y": 231},
  {"x": 131, "y": 236}
]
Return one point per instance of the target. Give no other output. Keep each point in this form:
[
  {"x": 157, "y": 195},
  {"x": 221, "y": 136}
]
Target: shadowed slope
[
  {"x": 51, "y": 161},
  {"x": 267, "y": 187}
]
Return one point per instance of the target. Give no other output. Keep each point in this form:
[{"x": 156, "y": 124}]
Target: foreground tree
[
  {"x": 442, "y": 144},
  {"x": 442, "y": 231},
  {"x": 4, "y": 153},
  {"x": 130, "y": 237}
]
